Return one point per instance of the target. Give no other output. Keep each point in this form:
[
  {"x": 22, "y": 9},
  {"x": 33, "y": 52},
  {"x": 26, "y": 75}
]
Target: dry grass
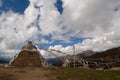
[
  {"x": 25, "y": 74},
  {"x": 86, "y": 74}
]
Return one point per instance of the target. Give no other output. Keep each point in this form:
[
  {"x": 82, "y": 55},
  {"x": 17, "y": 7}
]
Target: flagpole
[{"x": 74, "y": 55}]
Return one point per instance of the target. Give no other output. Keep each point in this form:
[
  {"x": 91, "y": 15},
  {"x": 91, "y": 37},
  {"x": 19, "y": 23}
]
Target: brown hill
[
  {"x": 106, "y": 56},
  {"x": 85, "y": 54}
]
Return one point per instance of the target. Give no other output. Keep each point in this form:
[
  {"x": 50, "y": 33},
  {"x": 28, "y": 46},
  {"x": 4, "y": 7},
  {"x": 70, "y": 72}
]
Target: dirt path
[{"x": 26, "y": 74}]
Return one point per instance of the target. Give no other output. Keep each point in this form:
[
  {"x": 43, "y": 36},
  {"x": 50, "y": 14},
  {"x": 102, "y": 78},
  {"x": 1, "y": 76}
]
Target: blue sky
[
  {"x": 59, "y": 24},
  {"x": 19, "y": 6}
]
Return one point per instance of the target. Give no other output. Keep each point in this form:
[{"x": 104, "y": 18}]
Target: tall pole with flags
[{"x": 74, "y": 55}]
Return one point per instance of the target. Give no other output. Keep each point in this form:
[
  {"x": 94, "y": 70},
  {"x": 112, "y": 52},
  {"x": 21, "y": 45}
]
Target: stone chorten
[{"x": 28, "y": 56}]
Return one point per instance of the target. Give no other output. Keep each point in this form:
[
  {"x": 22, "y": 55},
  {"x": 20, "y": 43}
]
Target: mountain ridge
[{"x": 109, "y": 55}]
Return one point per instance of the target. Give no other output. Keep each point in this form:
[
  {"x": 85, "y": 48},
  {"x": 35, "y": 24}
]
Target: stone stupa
[{"x": 28, "y": 56}]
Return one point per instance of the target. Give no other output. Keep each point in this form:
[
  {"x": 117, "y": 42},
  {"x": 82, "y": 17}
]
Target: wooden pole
[{"x": 74, "y": 55}]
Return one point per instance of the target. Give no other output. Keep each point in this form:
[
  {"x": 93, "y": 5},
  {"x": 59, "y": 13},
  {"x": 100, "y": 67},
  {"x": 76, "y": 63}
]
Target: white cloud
[
  {"x": 57, "y": 47},
  {"x": 89, "y": 18},
  {"x": 8, "y": 53},
  {"x": 96, "y": 19},
  {"x": 44, "y": 41}
]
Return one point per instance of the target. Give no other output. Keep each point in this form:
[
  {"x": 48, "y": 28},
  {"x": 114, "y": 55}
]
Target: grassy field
[{"x": 85, "y": 74}]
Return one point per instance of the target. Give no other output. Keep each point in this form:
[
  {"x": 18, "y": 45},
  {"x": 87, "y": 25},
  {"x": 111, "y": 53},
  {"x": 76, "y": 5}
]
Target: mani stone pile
[{"x": 29, "y": 56}]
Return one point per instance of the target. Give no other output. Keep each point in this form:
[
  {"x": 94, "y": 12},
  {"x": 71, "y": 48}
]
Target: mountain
[
  {"x": 4, "y": 60},
  {"x": 106, "y": 56},
  {"x": 54, "y": 61},
  {"x": 59, "y": 61},
  {"x": 85, "y": 54}
]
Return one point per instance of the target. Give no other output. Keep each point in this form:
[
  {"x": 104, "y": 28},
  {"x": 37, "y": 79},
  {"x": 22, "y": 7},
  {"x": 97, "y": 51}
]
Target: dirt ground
[{"x": 26, "y": 74}]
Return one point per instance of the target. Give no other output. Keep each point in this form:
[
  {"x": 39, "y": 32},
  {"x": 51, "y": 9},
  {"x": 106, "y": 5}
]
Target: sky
[{"x": 59, "y": 24}]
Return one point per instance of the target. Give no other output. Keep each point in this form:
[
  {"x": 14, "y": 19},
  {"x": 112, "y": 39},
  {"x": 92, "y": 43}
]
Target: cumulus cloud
[
  {"x": 8, "y": 53},
  {"x": 98, "y": 20}
]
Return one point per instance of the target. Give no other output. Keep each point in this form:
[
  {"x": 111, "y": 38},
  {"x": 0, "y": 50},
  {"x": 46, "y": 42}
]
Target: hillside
[
  {"x": 85, "y": 74},
  {"x": 85, "y": 54},
  {"x": 3, "y": 61},
  {"x": 108, "y": 55},
  {"x": 55, "y": 61}
]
